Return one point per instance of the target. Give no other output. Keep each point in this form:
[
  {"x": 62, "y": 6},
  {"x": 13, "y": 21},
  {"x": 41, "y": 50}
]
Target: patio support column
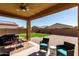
[
  {"x": 78, "y": 30},
  {"x": 28, "y": 30}
]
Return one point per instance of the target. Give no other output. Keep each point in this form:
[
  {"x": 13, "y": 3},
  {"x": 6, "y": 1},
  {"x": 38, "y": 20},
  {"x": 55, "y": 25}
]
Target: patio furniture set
[{"x": 60, "y": 50}]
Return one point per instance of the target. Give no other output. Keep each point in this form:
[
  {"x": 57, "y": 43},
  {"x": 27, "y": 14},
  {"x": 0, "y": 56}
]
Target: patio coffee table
[{"x": 52, "y": 50}]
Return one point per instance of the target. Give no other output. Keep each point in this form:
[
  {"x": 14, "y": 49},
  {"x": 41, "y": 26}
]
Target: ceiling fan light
[
  {"x": 27, "y": 8},
  {"x": 23, "y": 10}
]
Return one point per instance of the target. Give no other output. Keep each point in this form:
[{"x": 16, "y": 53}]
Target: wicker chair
[
  {"x": 65, "y": 50},
  {"x": 44, "y": 44}
]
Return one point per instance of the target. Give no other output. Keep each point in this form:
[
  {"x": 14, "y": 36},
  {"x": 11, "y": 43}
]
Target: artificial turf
[{"x": 33, "y": 35}]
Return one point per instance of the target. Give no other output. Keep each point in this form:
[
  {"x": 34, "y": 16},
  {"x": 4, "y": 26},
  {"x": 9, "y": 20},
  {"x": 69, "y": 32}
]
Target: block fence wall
[{"x": 63, "y": 31}]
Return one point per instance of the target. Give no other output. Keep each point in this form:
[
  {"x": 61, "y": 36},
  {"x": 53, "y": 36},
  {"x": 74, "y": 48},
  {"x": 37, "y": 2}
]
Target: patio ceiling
[{"x": 36, "y": 10}]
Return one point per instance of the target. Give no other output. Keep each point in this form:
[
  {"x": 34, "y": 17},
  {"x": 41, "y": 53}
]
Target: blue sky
[{"x": 68, "y": 17}]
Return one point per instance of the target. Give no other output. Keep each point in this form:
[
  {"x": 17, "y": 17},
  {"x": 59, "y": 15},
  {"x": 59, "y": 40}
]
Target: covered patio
[{"x": 34, "y": 11}]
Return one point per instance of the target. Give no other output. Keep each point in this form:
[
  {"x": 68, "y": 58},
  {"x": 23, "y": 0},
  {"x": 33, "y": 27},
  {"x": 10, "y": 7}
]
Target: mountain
[{"x": 42, "y": 26}]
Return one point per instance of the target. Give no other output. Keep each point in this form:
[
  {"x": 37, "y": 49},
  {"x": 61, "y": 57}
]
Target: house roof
[
  {"x": 7, "y": 24},
  {"x": 58, "y": 25}
]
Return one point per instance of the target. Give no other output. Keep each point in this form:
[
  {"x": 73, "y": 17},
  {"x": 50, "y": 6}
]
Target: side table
[{"x": 52, "y": 50}]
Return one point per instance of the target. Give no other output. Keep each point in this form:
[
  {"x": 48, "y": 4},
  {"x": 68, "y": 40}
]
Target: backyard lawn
[{"x": 33, "y": 35}]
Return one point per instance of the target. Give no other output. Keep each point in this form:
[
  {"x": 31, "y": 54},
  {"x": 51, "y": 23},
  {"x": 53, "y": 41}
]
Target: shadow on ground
[{"x": 38, "y": 53}]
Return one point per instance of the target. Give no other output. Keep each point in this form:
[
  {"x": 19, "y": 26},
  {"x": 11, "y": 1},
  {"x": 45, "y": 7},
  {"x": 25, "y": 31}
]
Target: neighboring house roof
[
  {"x": 58, "y": 25},
  {"x": 8, "y": 24},
  {"x": 34, "y": 27}
]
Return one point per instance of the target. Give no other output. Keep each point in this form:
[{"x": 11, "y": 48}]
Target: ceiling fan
[
  {"x": 26, "y": 6},
  {"x": 23, "y": 7}
]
